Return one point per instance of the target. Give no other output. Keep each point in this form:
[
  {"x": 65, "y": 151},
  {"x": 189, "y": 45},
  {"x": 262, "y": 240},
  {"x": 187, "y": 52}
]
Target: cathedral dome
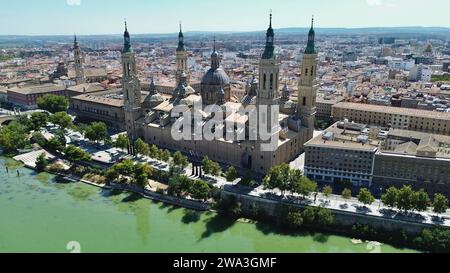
[
  {"x": 216, "y": 77},
  {"x": 154, "y": 98}
]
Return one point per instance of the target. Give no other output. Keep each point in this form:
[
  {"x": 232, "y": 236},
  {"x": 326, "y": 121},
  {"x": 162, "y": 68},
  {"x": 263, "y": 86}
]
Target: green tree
[
  {"x": 390, "y": 198},
  {"x": 306, "y": 187},
  {"x": 154, "y": 152},
  {"x": 14, "y": 136},
  {"x": 112, "y": 174},
  {"x": 309, "y": 215},
  {"x": 53, "y": 103},
  {"x": 125, "y": 167},
  {"x": 421, "y": 200},
  {"x": 96, "y": 131},
  {"x": 365, "y": 197},
  {"x": 122, "y": 142},
  {"x": 247, "y": 180},
  {"x": 74, "y": 153},
  {"x": 346, "y": 194},
  {"x": 294, "y": 219},
  {"x": 327, "y": 191},
  {"x": 175, "y": 187},
  {"x": 26, "y": 122},
  {"x": 141, "y": 148},
  {"x": 405, "y": 199},
  {"x": 200, "y": 190},
  {"x": 180, "y": 160},
  {"x": 324, "y": 217},
  {"x": 166, "y": 156},
  {"x": 41, "y": 162},
  {"x": 231, "y": 174},
  {"x": 39, "y": 138},
  {"x": 278, "y": 178},
  {"x": 215, "y": 169},
  {"x": 206, "y": 164},
  {"x": 39, "y": 120},
  {"x": 440, "y": 203},
  {"x": 62, "y": 119},
  {"x": 142, "y": 173}
]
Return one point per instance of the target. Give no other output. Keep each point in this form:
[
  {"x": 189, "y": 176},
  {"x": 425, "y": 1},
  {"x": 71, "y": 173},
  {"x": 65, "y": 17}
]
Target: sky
[{"x": 88, "y": 17}]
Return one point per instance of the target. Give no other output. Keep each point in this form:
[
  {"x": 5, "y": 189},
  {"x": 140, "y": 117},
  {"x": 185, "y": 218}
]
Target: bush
[{"x": 55, "y": 168}]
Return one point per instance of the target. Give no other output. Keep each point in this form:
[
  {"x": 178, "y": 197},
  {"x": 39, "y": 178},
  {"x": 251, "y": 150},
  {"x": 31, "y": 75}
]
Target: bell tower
[
  {"x": 182, "y": 59},
  {"x": 269, "y": 70},
  {"x": 79, "y": 61},
  {"x": 131, "y": 88},
  {"x": 307, "y": 88}
]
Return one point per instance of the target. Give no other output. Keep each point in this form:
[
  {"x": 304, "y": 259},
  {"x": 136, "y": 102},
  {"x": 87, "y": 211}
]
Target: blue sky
[{"x": 33, "y": 17}]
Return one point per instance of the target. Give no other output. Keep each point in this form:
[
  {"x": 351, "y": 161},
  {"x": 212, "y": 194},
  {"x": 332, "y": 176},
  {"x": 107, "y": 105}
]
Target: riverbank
[{"x": 104, "y": 220}]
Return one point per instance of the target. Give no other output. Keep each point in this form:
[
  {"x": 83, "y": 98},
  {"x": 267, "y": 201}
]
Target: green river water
[{"x": 39, "y": 215}]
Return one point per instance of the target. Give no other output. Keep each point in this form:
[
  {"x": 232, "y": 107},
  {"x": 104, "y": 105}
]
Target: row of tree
[
  {"x": 285, "y": 179},
  {"x": 128, "y": 172},
  {"x": 181, "y": 185},
  {"x": 406, "y": 199}
]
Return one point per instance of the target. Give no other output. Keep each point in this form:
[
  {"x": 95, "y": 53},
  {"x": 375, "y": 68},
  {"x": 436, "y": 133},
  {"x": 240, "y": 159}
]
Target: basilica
[{"x": 151, "y": 118}]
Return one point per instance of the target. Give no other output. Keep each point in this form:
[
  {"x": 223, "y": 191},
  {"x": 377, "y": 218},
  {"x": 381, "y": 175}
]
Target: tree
[
  {"x": 142, "y": 172},
  {"x": 154, "y": 152},
  {"x": 306, "y": 187},
  {"x": 14, "y": 136},
  {"x": 57, "y": 142},
  {"x": 180, "y": 160},
  {"x": 96, "y": 131},
  {"x": 141, "y": 148},
  {"x": 247, "y": 180},
  {"x": 53, "y": 103},
  {"x": 122, "y": 142},
  {"x": 175, "y": 188},
  {"x": 277, "y": 178},
  {"x": 405, "y": 199},
  {"x": 324, "y": 217},
  {"x": 346, "y": 194},
  {"x": 309, "y": 215},
  {"x": 112, "y": 174},
  {"x": 125, "y": 167},
  {"x": 440, "y": 203},
  {"x": 200, "y": 190},
  {"x": 215, "y": 169},
  {"x": 41, "y": 162},
  {"x": 390, "y": 198},
  {"x": 421, "y": 200},
  {"x": 206, "y": 164},
  {"x": 39, "y": 120},
  {"x": 294, "y": 219},
  {"x": 39, "y": 138},
  {"x": 231, "y": 174},
  {"x": 327, "y": 191},
  {"x": 76, "y": 154},
  {"x": 62, "y": 119},
  {"x": 365, "y": 197},
  {"x": 165, "y": 156}
]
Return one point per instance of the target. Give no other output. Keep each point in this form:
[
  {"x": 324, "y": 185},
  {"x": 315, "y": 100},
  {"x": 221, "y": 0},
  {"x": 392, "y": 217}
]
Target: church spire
[
  {"x": 215, "y": 59},
  {"x": 269, "y": 52},
  {"x": 126, "y": 38},
  {"x": 311, "y": 46},
  {"x": 181, "y": 46},
  {"x": 75, "y": 41}
]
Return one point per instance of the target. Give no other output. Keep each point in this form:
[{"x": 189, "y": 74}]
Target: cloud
[
  {"x": 374, "y": 2},
  {"x": 73, "y": 2}
]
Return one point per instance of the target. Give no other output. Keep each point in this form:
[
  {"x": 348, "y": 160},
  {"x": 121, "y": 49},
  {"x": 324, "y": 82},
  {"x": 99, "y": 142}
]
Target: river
[{"x": 39, "y": 215}]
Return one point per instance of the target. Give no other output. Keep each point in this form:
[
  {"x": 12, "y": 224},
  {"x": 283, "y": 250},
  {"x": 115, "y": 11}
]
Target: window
[
  {"x": 271, "y": 81},
  {"x": 265, "y": 80},
  {"x": 304, "y": 101}
]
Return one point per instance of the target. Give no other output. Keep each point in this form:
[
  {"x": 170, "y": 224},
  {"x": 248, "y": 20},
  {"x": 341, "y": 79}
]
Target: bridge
[{"x": 6, "y": 119}]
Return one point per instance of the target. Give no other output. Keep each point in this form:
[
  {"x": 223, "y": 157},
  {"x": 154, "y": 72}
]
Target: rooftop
[
  {"x": 393, "y": 110},
  {"x": 37, "y": 89}
]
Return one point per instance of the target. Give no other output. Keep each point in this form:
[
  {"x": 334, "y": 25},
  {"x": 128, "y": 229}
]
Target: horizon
[{"x": 88, "y": 18}]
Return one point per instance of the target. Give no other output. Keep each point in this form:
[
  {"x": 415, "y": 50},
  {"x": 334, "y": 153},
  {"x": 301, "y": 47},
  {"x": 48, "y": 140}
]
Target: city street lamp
[{"x": 381, "y": 194}]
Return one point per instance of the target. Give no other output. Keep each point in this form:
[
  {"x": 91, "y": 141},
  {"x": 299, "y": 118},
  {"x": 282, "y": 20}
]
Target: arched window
[
  {"x": 304, "y": 101},
  {"x": 271, "y": 81},
  {"x": 312, "y": 71},
  {"x": 306, "y": 71},
  {"x": 264, "y": 82}
]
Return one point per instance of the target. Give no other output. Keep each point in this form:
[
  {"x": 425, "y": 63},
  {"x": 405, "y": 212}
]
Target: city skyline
[{"x": 158, "y": 17}]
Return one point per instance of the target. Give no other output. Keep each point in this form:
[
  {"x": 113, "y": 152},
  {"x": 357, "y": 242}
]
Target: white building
[{"x": 420, "y": 73}]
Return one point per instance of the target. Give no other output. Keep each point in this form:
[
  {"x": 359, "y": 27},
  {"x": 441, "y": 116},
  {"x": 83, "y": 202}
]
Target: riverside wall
[{"x": 270, "y": 208}]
